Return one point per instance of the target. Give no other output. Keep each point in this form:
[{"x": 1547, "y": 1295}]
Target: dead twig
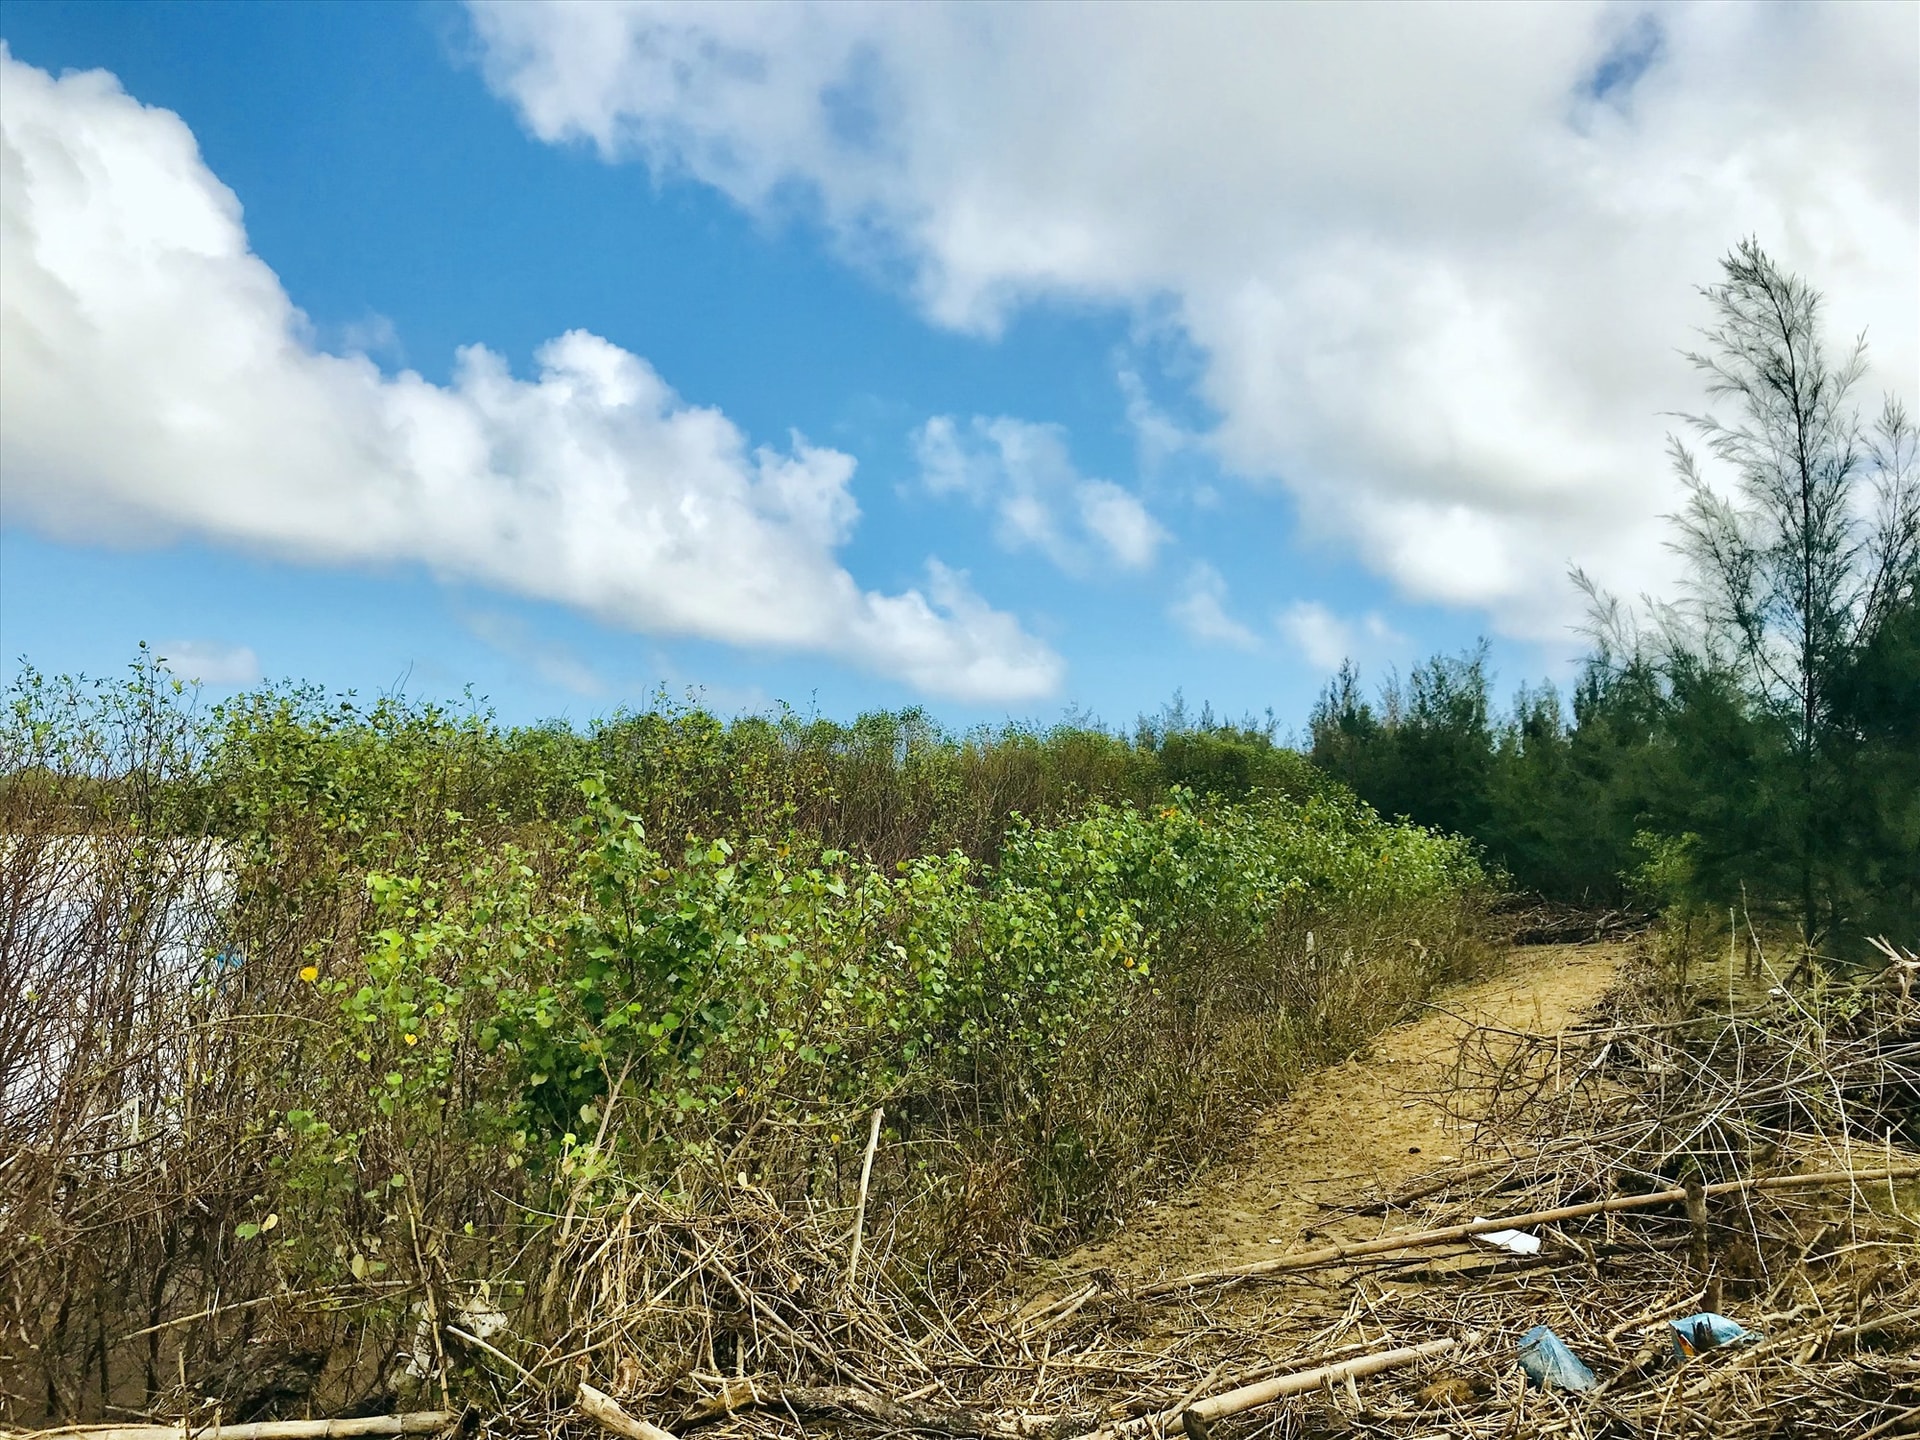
[
  {"x": 1335, "y": 1254},
  {"x": 860, "y": 1211}
]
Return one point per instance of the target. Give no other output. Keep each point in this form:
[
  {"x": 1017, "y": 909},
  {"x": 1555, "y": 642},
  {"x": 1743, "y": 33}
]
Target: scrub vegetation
[{"x": 323, "y": 1019}]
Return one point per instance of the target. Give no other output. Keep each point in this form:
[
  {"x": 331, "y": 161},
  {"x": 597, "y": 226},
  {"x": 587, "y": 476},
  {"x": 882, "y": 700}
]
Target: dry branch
[
  {"x": 421, "y": 1422},
  {"x": 1335, "y": 1254},
  {"x": 860, "y": 1210},
  {"x": 606, "y": 1412},
  {"x": 1194, "y": 1419},
  {"x": 845, "y": 1403},
  {"x": 1435, "y": 1184}
]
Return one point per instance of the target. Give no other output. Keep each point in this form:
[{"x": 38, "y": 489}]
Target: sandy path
[{"x": 1353, "y": 1131}]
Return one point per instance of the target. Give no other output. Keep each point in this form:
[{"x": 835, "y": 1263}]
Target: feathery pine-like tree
[{"x": 1799, "y": 566}]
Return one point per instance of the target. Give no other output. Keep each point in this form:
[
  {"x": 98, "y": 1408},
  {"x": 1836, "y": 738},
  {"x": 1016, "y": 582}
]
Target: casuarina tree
[
  {"x": 1805, "y": 556},
  {"x": 1766, "y": 726}
]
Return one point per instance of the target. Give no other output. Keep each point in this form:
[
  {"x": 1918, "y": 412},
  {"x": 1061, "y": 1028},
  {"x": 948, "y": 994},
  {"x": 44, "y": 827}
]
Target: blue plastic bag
[
  {"x": 1705, "y": 1331},
  {"x": 1550, "y": 1364}
]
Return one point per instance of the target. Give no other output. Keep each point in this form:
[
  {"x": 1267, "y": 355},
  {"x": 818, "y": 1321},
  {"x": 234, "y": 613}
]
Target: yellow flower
[
  {"x": 309, "y": 973},
  {"x": 411, "y": 1039}
]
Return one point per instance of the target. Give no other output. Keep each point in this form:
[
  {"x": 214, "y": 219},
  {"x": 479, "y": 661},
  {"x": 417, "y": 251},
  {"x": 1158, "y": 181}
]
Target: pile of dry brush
[
  {"x": 1724, "y": 1103},
  {"x": 1683, "y": 1132},
  {"x": 1728, "y": 1100}
]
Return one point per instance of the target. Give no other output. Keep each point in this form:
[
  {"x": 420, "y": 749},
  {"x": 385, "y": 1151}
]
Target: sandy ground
[{"x": 1353, "y": 1132}]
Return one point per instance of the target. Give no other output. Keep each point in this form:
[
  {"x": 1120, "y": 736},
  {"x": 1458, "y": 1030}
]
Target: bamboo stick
[
  {"x": 1265, "y": 1392},
  {"x": 1334, "y": 1254},
  {"x": 843, "y": 1402},
  {"x": 1193, "y": 1420},
  {"x": 420, "y": 1422}
]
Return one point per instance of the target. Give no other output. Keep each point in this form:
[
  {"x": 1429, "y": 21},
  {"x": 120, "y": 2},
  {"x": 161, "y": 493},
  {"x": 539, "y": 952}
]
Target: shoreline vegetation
[
  {"x": 367, "y": 1058},
  {"x": 392, "y": 1008}
]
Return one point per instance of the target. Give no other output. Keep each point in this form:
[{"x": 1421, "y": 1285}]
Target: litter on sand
[
  {"x": 1517, "y": 1241},
  {"x": 1550, "y": 1364},
  {"x": 1705, "y": 1331}
]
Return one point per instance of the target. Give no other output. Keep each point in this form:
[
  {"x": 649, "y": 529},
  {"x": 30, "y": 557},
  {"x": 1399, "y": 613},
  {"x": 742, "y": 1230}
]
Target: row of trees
[{"x": 1757, "y": 734}]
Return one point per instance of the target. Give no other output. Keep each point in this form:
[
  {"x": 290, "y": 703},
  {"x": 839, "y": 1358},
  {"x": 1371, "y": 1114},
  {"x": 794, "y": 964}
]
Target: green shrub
[{"x": 459, "y": 991}]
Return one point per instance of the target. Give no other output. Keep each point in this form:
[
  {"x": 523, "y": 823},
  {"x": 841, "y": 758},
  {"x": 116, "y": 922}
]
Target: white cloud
[
  {"x": 158, "y": 381},
  {"x": 1157, "y": 435},
  {"x": 1040, "y": 501},
  {"x": 1317, "y": 633},
  {"x": 1325, "y": 639},
  {"x": 1437, "y": 259},
  {"x": 373, "y": 335},
  {"x": 210, "y": 662},
  {"x": 1201, "y": 611},
  {"x": 1119, "y": 522}
]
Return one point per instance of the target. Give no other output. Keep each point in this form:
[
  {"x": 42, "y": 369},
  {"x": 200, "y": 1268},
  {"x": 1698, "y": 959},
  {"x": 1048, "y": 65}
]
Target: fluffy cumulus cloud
[
  {"x": 1324, "y": 639},
  {"x": 1316, "y": 632},
  {"x": 1438, "y": 260},
  {"x": 1025, "y": 475},
  {"x": 1307, "y": 630},
  {"x": 159, "y": 381},
  {"x": 210, "y": 662},
  {"x": 1201, "y": 611}
]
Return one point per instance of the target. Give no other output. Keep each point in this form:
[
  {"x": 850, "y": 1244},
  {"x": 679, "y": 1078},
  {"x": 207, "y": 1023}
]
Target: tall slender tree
[
  {"x": 1795, "y": 569},
  {"x": 1768, "y": 716}
]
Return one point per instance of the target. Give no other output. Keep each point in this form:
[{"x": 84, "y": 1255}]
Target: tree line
[{"x": 1754, "y": 736}]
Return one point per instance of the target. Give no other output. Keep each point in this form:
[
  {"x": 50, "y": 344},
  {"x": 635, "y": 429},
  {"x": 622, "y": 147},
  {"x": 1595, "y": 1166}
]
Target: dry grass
[{"x": 733, "y": 1315}]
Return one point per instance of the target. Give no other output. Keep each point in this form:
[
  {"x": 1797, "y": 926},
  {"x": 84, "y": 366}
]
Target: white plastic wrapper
[{"x": 1518, "y": 1242}]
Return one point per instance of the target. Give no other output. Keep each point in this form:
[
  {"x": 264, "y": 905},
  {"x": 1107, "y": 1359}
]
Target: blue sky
[{"x": 1151, "y": 354}]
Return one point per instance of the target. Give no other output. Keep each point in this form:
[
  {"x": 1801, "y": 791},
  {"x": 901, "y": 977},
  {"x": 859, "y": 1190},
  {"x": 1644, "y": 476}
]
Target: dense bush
[{"x": 381, "y": 1005}]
